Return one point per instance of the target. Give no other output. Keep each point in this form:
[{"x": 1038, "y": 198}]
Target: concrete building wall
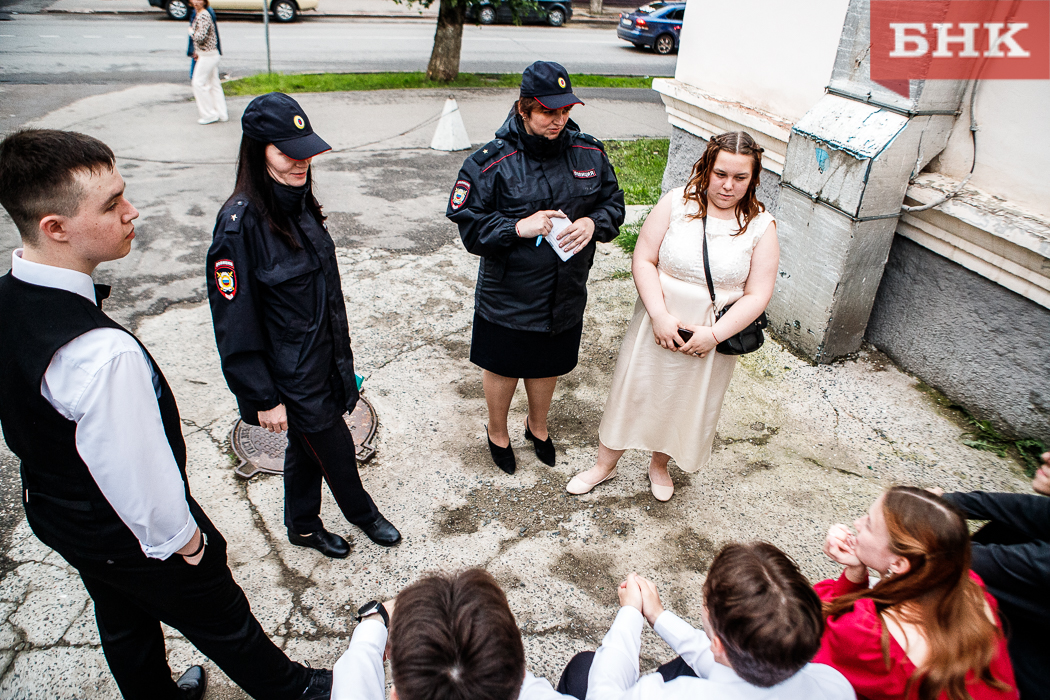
[
  {"x": 1013, "y": 151},
  {"x": 763, "y": 53},
  {"x": 983, "y": 346}
]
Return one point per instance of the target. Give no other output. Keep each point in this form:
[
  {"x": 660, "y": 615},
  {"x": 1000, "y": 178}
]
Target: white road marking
[
  {"x": 133, "y": 36},
  {"x": 49, "y": 36}
]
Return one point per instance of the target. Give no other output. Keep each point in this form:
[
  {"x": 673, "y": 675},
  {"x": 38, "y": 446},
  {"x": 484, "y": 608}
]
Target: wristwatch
[{"x": 373, "y": 607}]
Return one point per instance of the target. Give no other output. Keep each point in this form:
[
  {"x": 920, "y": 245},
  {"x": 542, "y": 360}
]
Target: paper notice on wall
[{"x": 557, "y": 226}]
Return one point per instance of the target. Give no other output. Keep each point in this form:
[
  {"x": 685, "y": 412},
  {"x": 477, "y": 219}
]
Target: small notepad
[{"x": 557, "y": 226}]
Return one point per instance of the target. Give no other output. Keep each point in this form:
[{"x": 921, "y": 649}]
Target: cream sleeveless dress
[{"x": 665, "y": 401}]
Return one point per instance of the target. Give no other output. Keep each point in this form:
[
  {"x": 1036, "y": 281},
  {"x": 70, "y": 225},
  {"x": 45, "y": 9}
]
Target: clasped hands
[
  {"x": 841, "y": 546},
  {"x": 641, "y": 594},
  {"x": 572, "y": 240},
  {"x": 665, "y": 329}
]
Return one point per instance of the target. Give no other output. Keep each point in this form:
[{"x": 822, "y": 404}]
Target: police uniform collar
[{"x": 290, "y": 200}]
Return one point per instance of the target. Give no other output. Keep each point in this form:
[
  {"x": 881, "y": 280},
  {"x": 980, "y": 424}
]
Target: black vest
[{"x": 63, "y": 504}]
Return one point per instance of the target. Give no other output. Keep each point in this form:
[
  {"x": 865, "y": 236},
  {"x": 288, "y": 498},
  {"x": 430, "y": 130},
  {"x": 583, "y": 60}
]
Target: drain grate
[{"x": 261, "y": 451}]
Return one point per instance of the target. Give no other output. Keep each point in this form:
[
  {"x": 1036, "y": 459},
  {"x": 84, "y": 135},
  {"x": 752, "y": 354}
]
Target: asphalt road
[{"x": 69, "y": 49}]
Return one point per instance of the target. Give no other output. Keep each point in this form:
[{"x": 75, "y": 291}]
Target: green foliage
[
  {"x": 340, "y": 82},
  {"x": 621, "y": 275},
  {"x": 640, "y": 170},
  {"x": 984, "y": 436},
  {"x": 639, "y": 167}
]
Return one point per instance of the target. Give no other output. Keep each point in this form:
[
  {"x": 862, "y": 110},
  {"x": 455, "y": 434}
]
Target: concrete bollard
[{"x": 451, "y": 134}]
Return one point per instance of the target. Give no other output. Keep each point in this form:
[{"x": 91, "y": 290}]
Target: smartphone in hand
[{"x": 685, "y": 334}]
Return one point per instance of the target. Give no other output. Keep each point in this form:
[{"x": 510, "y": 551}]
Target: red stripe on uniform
[
  {"x": 589, "y": 148},
  {"x": 501, "y": 159}
]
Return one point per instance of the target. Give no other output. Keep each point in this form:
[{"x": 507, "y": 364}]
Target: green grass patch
[
  {"x": 343, "y": 82},
  {"x": 640, "y": 170},
  {"x": 981, "y": 435}
]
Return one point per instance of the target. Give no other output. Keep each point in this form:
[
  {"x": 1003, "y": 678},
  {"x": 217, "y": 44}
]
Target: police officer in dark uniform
[
  {"x": 528, "y": 306},
  {"x": 280, "y": 322}
]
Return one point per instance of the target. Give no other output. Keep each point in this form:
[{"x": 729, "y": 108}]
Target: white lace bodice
[{"x": 682, "y": 253}]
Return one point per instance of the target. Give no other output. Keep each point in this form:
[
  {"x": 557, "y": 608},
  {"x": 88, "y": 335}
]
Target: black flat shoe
[
  {"x": 325, "y": 542},
  {"x": 193, "y": 683},
  {"x": 382, "y": 532},
  {"x": 502, "y": 456},
  {"x": 544, "y": 448},
  {"x": 320, "y": 685}
]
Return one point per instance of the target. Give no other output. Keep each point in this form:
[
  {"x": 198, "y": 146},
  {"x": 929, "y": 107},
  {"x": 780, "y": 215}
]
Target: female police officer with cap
[
  {"x": 280, "y": 322},
  {"x": 528, "y": 315}
]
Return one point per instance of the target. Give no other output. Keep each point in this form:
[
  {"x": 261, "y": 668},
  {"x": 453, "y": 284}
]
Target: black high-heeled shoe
[
  {"x": 544, "y": 448},
  {"x": 502, "y": 456}
]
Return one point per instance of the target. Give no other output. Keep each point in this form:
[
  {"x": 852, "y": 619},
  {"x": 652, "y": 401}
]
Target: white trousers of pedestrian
[{"x": 207, "y": 89}]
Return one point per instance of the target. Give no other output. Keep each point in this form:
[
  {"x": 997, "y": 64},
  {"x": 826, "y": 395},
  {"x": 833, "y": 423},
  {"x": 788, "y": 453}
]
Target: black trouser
[
  {"x": 1025, "y": 635},
  {"x": 328, "y": 454},
  {"x": 133, "y": 596},
  {"x": 574, "y": 678}
]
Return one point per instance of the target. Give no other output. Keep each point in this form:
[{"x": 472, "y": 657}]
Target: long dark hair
[
  {"x": 256, "y": 185},
  {"x": 735, "y": 142},
  {"x": 936, "y": 594}
]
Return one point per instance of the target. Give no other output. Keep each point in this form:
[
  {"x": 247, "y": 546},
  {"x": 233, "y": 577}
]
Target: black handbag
[{"x": 747, "y": 340}]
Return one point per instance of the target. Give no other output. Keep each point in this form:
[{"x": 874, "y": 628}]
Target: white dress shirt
[
  {"x": 614, "y": 672},
  {"x": 103, "y": 382},
  {"x": 359, "y": 673}
]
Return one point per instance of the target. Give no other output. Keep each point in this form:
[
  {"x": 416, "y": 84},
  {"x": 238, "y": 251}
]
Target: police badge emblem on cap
[{"x": 278, "y": 119}]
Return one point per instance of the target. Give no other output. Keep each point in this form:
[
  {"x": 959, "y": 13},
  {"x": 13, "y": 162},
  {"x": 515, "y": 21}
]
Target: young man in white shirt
[
  {"x": 763, "y": 624},
  {"x": 98, "y": 433},
  {"x": 452, "y": 636}
]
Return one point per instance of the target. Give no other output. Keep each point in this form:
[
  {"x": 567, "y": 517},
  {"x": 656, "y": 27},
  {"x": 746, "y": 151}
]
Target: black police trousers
[
  {"x": 133, "y": 596},
  {"x": 574, "y": 678},
  {"x": 329, "y": 454}
]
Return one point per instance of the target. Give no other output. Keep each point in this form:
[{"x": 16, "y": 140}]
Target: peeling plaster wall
[{"x": 982, "y": 345}]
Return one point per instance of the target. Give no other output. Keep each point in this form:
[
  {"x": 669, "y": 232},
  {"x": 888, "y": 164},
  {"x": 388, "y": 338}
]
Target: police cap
[
  {"x": 278, "y": 119},
  {"x": 548, "y": 83}
]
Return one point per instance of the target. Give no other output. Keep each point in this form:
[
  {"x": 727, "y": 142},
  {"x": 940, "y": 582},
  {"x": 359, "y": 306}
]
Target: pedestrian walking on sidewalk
[
  {"x": 540, "y": 171},
  {"x": 95, "y": 425},
  {"x": 280, "y": 322},
  {"x": 205, "y": 48}
]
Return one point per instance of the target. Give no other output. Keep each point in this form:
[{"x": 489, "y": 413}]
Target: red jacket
[{"x": 852, "y": 644}]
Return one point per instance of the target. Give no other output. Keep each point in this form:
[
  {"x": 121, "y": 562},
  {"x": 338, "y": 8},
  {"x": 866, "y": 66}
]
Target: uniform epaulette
[
  {"x": 489, "y": 151},
  {"x": 587, "y": 138},
  {"x": 234, "y": 215}
]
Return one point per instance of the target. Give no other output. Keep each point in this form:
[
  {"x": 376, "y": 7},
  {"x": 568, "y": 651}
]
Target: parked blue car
[{"x": 656, "y": 25}]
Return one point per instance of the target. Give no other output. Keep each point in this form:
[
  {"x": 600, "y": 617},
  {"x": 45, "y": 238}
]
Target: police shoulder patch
[
  {"x": 226, "y": 278},
  {"x": 459, "y": 194}
]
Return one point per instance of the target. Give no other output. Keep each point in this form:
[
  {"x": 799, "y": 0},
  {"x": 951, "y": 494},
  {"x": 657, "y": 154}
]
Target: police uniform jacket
[
  {"x": 521, "y": 285},
  {"x": 279, "y": 316}
]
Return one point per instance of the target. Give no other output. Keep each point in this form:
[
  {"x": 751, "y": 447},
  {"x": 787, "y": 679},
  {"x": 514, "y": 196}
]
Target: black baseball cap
[
  {"x": 548, "y": 83},
  {"x": 278, "y": 119}
]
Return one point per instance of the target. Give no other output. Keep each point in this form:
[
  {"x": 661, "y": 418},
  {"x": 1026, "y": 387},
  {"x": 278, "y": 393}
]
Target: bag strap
[{"x": 707, "y": 266}]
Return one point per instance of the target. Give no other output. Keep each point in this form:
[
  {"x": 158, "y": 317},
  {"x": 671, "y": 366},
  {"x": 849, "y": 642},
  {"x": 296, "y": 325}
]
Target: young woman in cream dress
[{"x": 667, "y": 391}]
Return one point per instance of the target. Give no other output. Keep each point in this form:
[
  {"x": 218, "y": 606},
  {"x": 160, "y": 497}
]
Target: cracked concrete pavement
[{"x": 799, "y": 446}]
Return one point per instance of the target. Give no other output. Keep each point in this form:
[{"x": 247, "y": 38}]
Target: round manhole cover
[{"x": 262, "y": 451}]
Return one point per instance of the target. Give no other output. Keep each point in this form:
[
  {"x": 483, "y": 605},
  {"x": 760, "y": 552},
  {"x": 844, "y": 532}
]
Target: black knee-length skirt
[{"x": 524, "y": 354}]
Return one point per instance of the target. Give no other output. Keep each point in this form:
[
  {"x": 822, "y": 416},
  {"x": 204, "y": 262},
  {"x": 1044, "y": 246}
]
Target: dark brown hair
[
  {"x": 525, "y": 106},
  {"x": 254, "y": 183},
  {"x": 936, "y": 594},
  {"x": 453, "y": 637},
  {"x": 735, "y": 142},
  {"x": 765, "y": 612},
  {"x": 38, "y": 170}
]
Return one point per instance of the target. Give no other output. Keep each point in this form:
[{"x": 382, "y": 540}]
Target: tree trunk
[
  {"x": 596, "y": 7},
  {"x": 448, "y": 40}
]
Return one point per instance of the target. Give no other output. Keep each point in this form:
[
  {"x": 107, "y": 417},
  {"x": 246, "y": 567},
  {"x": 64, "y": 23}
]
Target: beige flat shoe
[
  {"x": 578, "y": 487},
  {"x": 661, "y": 493}
]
